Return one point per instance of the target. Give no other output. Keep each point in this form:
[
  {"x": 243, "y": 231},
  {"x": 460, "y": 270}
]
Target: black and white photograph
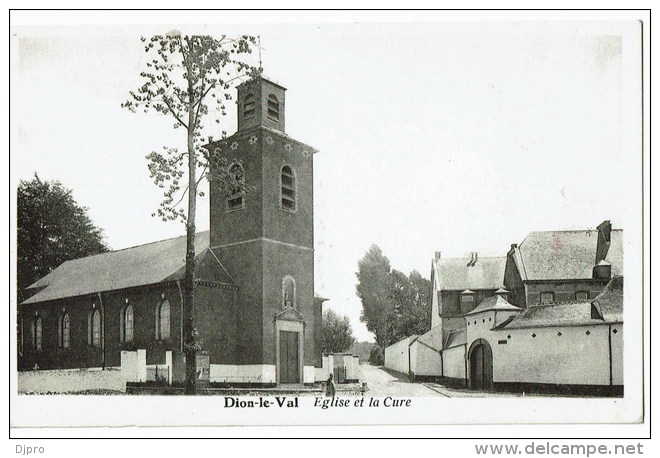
[{"x": 234, "y": 218}]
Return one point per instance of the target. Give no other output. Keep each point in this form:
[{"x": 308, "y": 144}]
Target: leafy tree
[
  {"x": 51, "y": 228},
  {"x": 336, "y": 332},
  {"x": 394, "y": 306},
  {"x": 411, "y": 305},
  {"x": 373, "y": 289},
  {"x": 187, "y": 78}
]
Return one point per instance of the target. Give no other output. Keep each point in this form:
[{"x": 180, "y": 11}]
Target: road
[{"x": 384, "y": 382}]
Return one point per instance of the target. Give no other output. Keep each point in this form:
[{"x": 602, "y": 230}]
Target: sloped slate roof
[
  {"x": 136, "y": 266},
  {"x": 493, "y": 303},
  {"x": 565, "y": 314},
  {"x": 432, "y": 338},
  {"x": 456, "y": 338},
  {"x": 609, "y": 302},
  {"x": 551, "y": 255},
  {"x": 455, "y": 274}
]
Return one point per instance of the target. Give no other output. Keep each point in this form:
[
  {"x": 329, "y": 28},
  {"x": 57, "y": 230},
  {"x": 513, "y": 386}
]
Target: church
[{"x": 255, "y": 307}]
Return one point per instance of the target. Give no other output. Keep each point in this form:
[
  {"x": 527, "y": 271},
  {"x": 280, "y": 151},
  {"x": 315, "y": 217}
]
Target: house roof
[
  {"x": 493, "y": 303},
  {"x": 552, "y": 255},
  {"x": 455, "y": 274},
  {"x": 136, "y": 266},
  {"x": 456, "y": 338},
  {"x": 609, "y": 302}
]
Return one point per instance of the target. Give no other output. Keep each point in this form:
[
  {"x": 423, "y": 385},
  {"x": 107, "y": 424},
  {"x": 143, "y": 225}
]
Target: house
[
  {"x": 459, "y": 284},
  {"x": 556, "y": 325},
  {"x": 255, "y": 307},
  {"x": 559, "y": 266},
  {"x": 567, "y": 348}
]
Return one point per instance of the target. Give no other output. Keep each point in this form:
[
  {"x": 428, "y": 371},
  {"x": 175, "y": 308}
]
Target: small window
[
  {"x": 467, "y": 298},
  {"x": 288, "y": 292},
  {"x": 249, "y": 104},
  {"x": 127, "y": 324},
  {"x": 64, "y": 331},
  {"x": 37, "y": 333},
  {"x": 273, "y": 108},
  {"x": 163, "y": 321},
  {"x": 94, "y": 335},
  {"x": 581, "y": 296},
  {"x": 235, "y": 200},
  {"x": 547, "y": 297},
  {"x": 288, "y": 189}
]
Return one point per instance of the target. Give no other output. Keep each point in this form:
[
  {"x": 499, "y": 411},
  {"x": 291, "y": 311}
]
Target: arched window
[
  {"x": 127, "y": 324},
  {"x": 64, "y": 331},
  {"x": 94, "y": 325},
  {"x": 37, "y": 333},
  {"x": 249, "y": 103},
  {"x": 288, "y": 292},
  {"x": 273, "y": 108},
  {"x": 163, "y": 321},
  {"x": 288, "y": 188},
  {"x": 235, "y": 200}
]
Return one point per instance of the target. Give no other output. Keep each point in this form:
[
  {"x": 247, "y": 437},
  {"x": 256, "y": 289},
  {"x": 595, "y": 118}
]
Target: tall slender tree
[
  {"x": 373, "y": 288},
  {"x": 188, "y": 79}
]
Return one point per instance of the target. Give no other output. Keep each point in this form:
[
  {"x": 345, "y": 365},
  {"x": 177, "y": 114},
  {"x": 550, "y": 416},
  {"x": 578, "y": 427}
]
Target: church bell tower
[{"x": 265, "y": 239}]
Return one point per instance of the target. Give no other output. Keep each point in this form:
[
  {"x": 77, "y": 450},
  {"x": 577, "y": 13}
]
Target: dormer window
[
  {"x": 467, "y": 298},
  {"x": 273, "y": 108},
  {"x": 581, "y": 296},
  {"x": 249, "y": 105},
  {"x": 547, "y": 297}
]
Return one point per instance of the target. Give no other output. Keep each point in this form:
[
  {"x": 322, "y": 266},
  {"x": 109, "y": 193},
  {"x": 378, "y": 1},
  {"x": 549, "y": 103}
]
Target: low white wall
[
  {"x": 308, "y": 374},
  {"x": 428, "y": 362},
  {"x": 252, "y": 373},
  {"x": 617, "y": 354},
  {"x": 453, "y": 362},
  {"x": 351, "y": 363},
  {"x": 71, "y": 380},
  {"x": 412, "y": 352},
  {"x": 396, "y": 356},
  {"x": 573, "y": 358}
]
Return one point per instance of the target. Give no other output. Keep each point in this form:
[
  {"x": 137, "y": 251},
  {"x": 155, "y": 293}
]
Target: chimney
[
  {"x": 604, "y": 239},
  {"x": 437, "y": 255},
  {"x": 474, "y": 258}
]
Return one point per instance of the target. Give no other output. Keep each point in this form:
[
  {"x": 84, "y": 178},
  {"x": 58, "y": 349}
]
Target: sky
[{"x": 432, "y": 136}]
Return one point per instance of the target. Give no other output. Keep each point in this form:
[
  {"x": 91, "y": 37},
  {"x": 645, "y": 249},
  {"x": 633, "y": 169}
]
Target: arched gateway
[{"x": 480, "y": 362}]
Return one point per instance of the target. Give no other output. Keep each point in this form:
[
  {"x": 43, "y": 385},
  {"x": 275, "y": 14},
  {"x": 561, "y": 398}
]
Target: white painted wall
[
  {"x": 308, "y": 374},
  {"x": 71, "y": 381},
  {"x": 617, "y": 354},
  {"x": 249, "y": 373},
  {"x": 396, "y": 356},
  {"x": 572, "y": 358},
  {"x": 412, "y": 349},
  {"x": 428, "y": 361},
  {"x": 453, "y": 362}
]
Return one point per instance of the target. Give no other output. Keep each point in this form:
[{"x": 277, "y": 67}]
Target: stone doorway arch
[{"x": 480, "y": 364}]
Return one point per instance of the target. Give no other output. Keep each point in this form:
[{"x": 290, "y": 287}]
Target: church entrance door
[{"x": 289, "y": 363}]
